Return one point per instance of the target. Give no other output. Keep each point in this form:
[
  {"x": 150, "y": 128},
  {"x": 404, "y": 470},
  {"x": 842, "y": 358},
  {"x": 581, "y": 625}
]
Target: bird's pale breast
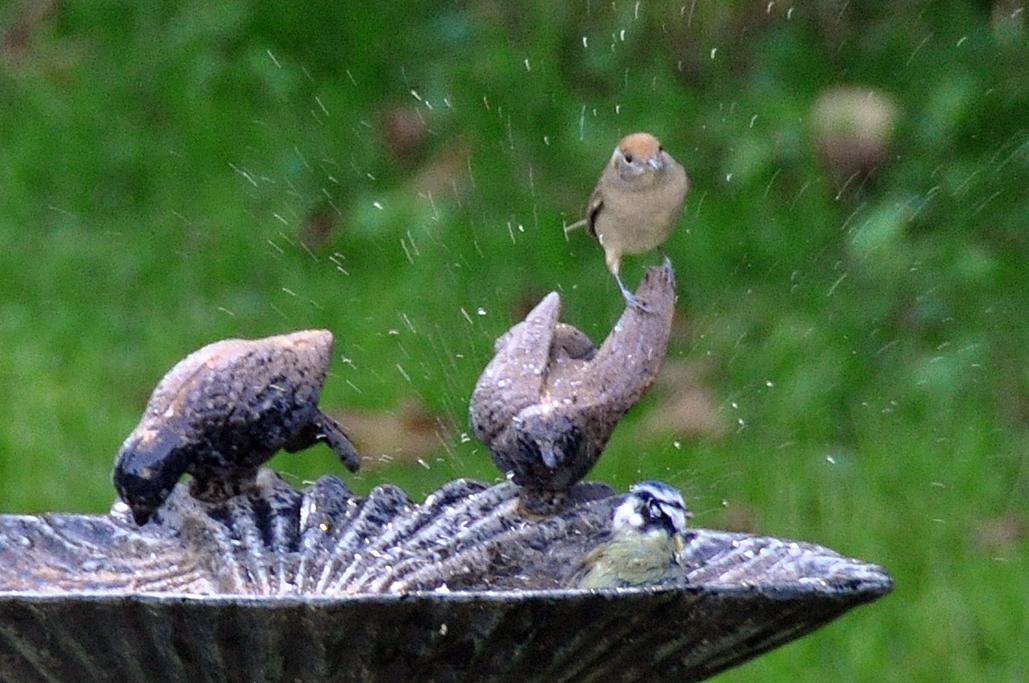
[{"x": 636, "y": 221}]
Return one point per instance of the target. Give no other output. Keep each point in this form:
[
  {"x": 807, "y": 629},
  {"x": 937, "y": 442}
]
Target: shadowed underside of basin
[{"x": 672, "y": 635}]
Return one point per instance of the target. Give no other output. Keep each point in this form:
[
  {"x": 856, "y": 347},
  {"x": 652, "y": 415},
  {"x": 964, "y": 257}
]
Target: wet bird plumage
[
  {"x": 648, "y": 533},
  {"x": 222, "y": 412}
]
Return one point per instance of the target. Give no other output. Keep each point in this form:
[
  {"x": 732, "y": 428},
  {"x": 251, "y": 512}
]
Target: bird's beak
[
  {"x": 141, "y": 515},
  {"x": 656, "y": 164}
]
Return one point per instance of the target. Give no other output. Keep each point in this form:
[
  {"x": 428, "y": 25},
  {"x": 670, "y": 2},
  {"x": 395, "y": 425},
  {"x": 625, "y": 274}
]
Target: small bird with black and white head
[
  {"x": 636, "y": 204},
  {"x": 648, "y": 535}
]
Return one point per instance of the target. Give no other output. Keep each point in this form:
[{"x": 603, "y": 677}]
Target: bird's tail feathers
[{"x": 575, "y": 226}]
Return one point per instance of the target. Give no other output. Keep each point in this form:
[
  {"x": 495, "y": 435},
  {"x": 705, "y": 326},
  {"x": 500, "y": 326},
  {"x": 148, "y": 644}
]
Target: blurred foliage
[{"x": 175, "y": 173}]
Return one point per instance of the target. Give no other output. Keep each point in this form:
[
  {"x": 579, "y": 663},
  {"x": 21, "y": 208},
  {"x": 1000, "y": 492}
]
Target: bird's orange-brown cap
[{"x": 640, "y": 145}]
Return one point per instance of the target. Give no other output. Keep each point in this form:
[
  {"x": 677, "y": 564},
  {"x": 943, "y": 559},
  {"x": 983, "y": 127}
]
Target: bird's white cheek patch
[{"x": 627, "y": 517}]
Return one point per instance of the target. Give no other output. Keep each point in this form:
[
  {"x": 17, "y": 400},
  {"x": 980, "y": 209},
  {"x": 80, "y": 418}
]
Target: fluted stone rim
[{"x": 868, "y": 589}]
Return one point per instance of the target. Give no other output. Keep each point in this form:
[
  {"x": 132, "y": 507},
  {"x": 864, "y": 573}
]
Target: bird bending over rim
[
  {"x": 636, "y": 204},
  {"x": 222, "y": 412}
]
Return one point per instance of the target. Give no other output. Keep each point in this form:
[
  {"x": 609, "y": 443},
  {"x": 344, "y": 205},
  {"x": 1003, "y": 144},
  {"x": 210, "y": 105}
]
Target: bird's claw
[{"x": 635, "y": 302}]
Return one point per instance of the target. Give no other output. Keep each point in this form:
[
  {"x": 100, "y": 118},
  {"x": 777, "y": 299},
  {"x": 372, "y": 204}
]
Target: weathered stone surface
[
  {"x": 222, "y": 412},
  {"x": 321, "y": 585},
  {"x": 548, "y": 402}
]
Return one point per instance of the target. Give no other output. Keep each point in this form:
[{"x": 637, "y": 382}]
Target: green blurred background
[{"x": 850, "y": 363}]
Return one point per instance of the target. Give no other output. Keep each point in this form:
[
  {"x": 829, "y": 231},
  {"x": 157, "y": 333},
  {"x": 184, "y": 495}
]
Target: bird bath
[{"x": 471, "y": 584}]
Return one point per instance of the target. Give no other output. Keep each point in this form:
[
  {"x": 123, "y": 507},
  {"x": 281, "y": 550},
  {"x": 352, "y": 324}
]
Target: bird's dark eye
[
  {"x": 660, "y": 148},
  {"x": 628, "y": 158}
]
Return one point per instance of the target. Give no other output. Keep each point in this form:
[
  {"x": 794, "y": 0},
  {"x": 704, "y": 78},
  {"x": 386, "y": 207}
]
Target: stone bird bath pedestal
[{"x": 471, "y": 584}]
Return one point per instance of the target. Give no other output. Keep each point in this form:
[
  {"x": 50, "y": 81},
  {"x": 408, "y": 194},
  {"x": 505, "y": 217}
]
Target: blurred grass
[{"x": 163, "y": 172}]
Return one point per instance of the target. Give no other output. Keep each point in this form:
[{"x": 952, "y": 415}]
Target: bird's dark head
[
  {"x": 652, "y": 507},
  {"x": 552, "y": 451},
  {"x": 639, "y": 159},
  {"x": 145, "y": 473}
]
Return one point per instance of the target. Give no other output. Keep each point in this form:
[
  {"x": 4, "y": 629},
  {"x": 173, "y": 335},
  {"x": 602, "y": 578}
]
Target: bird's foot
[
  {"x": 635, "y": 302},
  {"x": 630, "y": 298}
]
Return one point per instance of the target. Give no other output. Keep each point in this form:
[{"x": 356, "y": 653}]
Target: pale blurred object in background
[{"x": 852, "y": 128}]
